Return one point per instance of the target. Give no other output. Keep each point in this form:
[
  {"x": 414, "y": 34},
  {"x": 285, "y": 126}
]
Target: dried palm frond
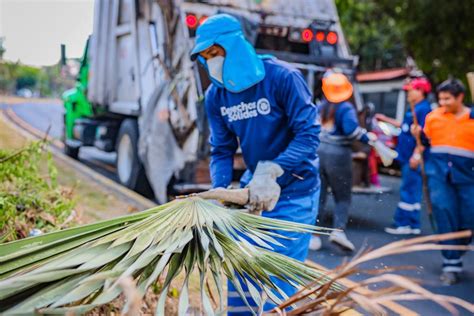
[
  {"x": 317, "y": 299},
  {"x": 77, "y": 269}
]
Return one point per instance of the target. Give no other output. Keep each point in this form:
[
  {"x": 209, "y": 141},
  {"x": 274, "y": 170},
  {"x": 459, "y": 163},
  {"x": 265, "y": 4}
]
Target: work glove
[
  {"x": 386, "y": 154},
  {"x": 264, "y": 191}
]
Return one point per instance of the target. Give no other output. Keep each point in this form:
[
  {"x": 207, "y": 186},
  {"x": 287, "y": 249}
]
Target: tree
[
  {"x": 27, "y": 77},
  {"x": 2, "y": 48},
  {"x": 437, "y": 33},
  {"x": 372, "y": 33}
]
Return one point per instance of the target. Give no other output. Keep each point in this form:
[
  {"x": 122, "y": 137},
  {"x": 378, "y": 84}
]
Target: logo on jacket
[
  {"x": 263, "y": 106},
  {"x": 245, "y": 111}
]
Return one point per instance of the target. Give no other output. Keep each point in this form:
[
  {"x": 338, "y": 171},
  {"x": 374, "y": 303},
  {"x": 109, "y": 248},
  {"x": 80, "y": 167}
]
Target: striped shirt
[{"x": 344, "y": 128}]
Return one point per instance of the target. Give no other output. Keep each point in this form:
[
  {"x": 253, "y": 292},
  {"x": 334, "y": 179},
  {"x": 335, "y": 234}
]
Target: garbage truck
[{"x": 138, "y": 94}]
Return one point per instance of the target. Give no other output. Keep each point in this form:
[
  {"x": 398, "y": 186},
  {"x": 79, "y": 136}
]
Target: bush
[{"x": 29, "y": 194}]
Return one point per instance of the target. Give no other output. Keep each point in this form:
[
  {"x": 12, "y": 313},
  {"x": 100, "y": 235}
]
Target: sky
[{"x": 33, "y": 30}]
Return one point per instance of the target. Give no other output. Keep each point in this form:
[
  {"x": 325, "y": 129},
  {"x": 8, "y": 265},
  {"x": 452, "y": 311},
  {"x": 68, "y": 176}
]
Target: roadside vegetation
[
  {"x": 38, "y": 191},
  {"x": 46, "y": 81},
  {"x": 31, "y": 201}
]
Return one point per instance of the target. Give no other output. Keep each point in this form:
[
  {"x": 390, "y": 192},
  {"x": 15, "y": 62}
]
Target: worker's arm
[
  {"x": 293, "y": 94},
  {"x": 422, "y": 133},
  {"x": 417, "y": 154},
  {"x": 223, "y": 144},
  {"x": 350, "y": 124},
  {"x": 383, "y": 118}
]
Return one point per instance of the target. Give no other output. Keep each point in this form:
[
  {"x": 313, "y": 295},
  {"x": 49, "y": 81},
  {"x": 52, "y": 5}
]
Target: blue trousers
[
  {"x": 408, "y": 209},
  {"x": 301, "y": 210},
  {"x": 453, "y": 209}
]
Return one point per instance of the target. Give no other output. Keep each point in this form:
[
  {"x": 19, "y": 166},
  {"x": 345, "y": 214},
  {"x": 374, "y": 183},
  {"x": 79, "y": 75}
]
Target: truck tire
[
  {"x": 71, "y": 151},
  {"x": 130, "y": 170}
]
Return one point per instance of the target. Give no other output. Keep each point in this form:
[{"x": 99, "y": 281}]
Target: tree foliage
[
  {"x": 436, "y": 33},
  {"x": 372, "y": 34},
  {"x": 46, "y": 81},
  {"x": 2, "y": 48}
]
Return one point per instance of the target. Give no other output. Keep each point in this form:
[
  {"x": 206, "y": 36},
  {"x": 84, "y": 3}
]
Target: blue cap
[
  {"x": 215, "y": 26},
  {"x": 242, "y": 66}
]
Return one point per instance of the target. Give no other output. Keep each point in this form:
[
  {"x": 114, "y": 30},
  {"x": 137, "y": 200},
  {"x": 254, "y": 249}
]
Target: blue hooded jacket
[
  {"x": 242, "y": 66},
  {"x": 267, "y": 109}
]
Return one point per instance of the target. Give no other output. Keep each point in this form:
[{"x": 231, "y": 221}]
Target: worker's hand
[
  {"x": 415, "y": 161},
  {"x": 372, "y": 137},
  {"x": 380, "y": 117},
  {"x": 264, "y": 191},
  {"x": 415, "y": 130}
]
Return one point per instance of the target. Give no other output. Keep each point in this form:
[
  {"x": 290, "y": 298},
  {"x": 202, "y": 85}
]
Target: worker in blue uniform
[
  {"x": 449, "y": 136},
  {"x": 340, "y": 128},
  {"x": 407, "y": 215},
  {"x": 265, "y": 106}
]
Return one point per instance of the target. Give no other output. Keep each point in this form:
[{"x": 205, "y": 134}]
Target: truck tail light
[
  {"x": 319, "y": 37},
  {"x": 191, "y": 21},
  {"x": 331, "y": 38},
  {"x": 307, "y": 35}
]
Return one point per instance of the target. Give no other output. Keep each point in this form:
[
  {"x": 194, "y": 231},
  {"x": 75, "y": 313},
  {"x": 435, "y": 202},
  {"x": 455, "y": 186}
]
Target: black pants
[{"x": 336, "y": 173}]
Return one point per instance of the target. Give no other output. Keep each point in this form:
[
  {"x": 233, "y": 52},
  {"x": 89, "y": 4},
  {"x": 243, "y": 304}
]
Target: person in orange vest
[{"x": 449, "y": 165}]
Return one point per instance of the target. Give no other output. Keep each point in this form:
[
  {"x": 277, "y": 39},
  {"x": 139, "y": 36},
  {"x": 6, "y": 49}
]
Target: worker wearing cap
[
  {"x": 449, "y": 133},
  {"x": 407, "y": 215},
  {"x": 265, "y": 106},
  {"x": 340, "y": 128}
]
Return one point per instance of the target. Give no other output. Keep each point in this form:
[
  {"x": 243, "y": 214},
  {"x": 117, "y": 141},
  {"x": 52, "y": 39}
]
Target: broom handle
[
  {"x": 426, "y": 191},
  {"x": 236, "y": 196}
]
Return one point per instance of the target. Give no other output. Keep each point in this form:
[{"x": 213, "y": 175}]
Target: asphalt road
[
  {"x": 50, "y": 116},
  {"x": 369, "y": 215}
]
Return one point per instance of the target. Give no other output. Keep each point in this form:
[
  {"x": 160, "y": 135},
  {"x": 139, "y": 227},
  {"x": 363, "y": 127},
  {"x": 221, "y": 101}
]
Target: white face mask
[{"x": 215, "y": 65}]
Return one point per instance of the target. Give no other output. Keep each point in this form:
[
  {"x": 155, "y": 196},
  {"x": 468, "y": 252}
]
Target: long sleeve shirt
[
  {"x": 273, "y": 120},
  {"x": 345, "y": 128},
  {"x": 406, "y": 142}
]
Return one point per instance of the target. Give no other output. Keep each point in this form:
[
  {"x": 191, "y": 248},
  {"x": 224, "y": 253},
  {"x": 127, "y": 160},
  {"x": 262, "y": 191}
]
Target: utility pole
[{"x": 2, "y": 49}]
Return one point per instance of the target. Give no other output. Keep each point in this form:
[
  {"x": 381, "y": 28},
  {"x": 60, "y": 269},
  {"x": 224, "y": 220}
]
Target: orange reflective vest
[
  {"x": 451, "y": 154},
  {"x": 450, "y": 134}
]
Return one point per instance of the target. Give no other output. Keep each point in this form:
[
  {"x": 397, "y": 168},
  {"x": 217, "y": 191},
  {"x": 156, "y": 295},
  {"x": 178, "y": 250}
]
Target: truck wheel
[
  {"x": 130, "y": 170},
  {"x": 72, "y": 152}
]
